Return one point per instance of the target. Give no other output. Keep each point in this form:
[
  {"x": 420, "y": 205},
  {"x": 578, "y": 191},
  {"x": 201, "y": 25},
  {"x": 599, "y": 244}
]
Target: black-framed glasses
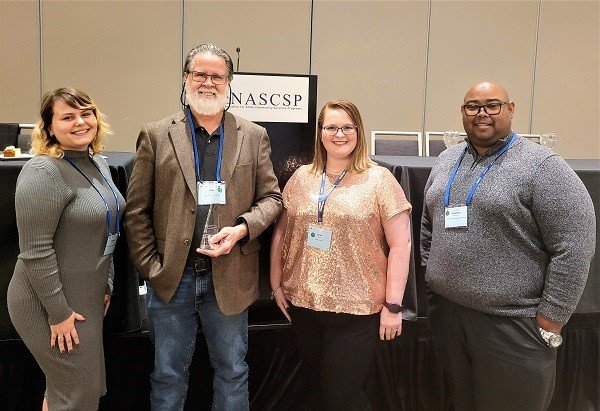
[
  {"x": 491, "y": 109},
  {"x": 201, "y": 77},
  {"x": 333, "y": 130}
]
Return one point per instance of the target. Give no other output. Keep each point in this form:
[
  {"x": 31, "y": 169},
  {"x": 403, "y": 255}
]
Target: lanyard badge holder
[
  {"x": 111, "y": 241},
  {"x": 456, "y": 217},
  {"x": 320, "y": 237}
]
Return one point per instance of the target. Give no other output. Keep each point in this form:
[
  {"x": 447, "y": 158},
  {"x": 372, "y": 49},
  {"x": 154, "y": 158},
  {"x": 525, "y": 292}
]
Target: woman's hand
[
  {"x": 282, "y": 302},
  {"x": 65, "y": 333},
  {"x": 390, "y": 324},
  {"x": 106, "y": 303}
]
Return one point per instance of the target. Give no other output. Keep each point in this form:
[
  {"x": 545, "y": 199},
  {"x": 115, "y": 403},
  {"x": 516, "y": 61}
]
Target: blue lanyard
[
  {"x": 481, "y": 176},
  {"x": 108, "y": 218},
  {"x": 188, "y": 114},
  {"x": 323, "y": 197}
]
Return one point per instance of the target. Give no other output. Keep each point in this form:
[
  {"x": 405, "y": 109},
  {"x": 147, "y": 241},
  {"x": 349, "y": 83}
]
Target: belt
[{"x": 201, "y": 264}]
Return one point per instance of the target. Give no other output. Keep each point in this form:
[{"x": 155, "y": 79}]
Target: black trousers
[
  {"x": 338, "y": 349},
  {"x": 492, "y": 362}
]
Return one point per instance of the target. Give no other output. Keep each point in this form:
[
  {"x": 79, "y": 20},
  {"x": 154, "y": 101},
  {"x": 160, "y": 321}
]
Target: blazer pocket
[
  {"x": 250, "y": 247},
  {"x": 243, "y": 166}
]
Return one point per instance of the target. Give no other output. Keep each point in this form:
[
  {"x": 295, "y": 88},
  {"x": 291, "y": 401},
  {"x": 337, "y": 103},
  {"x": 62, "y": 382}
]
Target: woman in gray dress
[{"x": 68, "y": 217}]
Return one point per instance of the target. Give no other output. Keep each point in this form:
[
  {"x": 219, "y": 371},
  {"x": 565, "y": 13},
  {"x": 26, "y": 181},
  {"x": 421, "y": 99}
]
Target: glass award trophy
[{"x": 211, "y": 227}]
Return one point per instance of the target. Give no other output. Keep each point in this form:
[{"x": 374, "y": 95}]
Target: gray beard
[{"x": 203, "y": 105}]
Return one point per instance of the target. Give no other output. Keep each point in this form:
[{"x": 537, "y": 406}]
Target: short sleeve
[{"x": 390, "y": 196}]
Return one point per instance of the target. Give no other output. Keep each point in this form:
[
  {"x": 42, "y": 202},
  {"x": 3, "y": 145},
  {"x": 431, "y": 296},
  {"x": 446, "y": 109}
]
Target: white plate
[{"x": 21, "y": 157}]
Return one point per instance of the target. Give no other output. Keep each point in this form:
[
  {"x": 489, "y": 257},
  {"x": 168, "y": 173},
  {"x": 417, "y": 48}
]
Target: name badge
[
  {"x": 319, "y": 237},
  {"x": 455, "y": 217},
  {"x": 110, "y": 244},
  {"x": 211, "y": 192}
]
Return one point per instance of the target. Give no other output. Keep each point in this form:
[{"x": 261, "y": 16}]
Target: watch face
[
  {"x": 555, "y": 340},
  {"x": 393, "y": 308}
]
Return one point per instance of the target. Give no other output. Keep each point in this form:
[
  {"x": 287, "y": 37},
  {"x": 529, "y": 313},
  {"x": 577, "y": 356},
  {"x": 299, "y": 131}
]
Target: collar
[
  {"x": 200, "y": 128},
  {"x": 77, "y": 154},
  {"x": 201, "y": 131},
  {"x": 490, "y": 151}
]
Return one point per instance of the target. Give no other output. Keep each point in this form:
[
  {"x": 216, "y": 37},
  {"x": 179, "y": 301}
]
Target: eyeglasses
[
  {"x": 201, "y": 77},
  {"x": 333, "y": 130},
  {"x": 490, "y": 108}
]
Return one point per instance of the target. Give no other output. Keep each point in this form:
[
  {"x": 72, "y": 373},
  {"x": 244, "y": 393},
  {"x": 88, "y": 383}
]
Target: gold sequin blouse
[{"x": 350, "y": 277}]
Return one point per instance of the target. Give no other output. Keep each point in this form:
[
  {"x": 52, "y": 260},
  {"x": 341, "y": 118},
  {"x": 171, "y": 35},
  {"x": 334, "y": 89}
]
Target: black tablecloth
[
  {"x": 404, "y": 375},
  {"x": 124, "y": 314},
  {"x": 9, "y": 240},
  {"x": 412, "y": 173},
  {"x": 578, "y": 363}
]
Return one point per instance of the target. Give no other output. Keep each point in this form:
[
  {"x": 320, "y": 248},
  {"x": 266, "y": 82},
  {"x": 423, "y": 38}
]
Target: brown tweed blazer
[{"x": 161, "y": 206}]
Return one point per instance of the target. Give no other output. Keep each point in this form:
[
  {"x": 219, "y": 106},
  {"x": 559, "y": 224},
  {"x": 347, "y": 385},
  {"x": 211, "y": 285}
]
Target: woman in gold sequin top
[{"x": 340, "y": 256}]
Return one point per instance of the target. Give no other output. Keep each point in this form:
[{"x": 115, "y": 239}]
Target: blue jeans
[{"x": 173, "y": 329}]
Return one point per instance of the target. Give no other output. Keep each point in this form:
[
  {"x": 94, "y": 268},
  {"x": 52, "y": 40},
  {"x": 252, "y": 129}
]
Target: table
[
  {"x": 276, "y": 381},
  {"x": 124, "y": 315},
  {"x": 405, "y": 373},
  {"x": 412, "y": 173}
]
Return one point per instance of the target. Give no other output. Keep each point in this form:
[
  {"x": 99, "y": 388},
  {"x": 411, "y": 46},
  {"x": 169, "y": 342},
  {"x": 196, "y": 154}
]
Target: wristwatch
[
  {"x": 553, "y": 340},
  {"x": 394, "y": 308}
]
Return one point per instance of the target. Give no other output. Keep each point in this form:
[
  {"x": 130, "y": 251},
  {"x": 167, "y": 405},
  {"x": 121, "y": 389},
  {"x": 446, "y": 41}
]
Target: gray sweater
[{"x": 530, "y": 235}]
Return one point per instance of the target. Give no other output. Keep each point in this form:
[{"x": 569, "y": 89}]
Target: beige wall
[
  {"x": 125, "y": 55},
  {"x": 566, "y": 98},
  {"x": 273, "y": 36},
  {"x": 465, "y": 48},
  {"x": 19, "y": 61},
  {"x": 373, "y": 53},
  {"x": 406, "y": 64}
]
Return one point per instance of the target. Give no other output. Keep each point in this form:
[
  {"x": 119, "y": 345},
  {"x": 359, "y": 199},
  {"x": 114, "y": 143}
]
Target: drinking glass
[
  {"x": 451, "y": 138},
  {"x": 548, "y": 139}
]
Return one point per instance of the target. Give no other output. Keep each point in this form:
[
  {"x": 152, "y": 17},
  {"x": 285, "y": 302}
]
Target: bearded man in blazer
[{"x": 177, "y": 158}]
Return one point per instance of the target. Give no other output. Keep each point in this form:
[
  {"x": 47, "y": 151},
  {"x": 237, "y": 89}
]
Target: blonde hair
[
  {"x": 43, "y": 143},
  {"x": 359, "y": 159}
]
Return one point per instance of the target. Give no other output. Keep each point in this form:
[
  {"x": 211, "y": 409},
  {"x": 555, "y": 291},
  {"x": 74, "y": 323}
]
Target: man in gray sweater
[{"x": 508, "y": 233}]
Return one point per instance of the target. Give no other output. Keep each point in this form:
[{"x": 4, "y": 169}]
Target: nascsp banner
[{"x": 270, "y": 98}]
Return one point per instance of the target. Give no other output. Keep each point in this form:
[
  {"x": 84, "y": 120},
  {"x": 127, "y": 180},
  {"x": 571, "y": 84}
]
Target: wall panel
[
  {"x": 19, "y": 61},
  {"x": 472, "y": 41},
  {"x": 373, "y": 53},
  {"x": 274, "y": 36},
  {"x": 567, "y": 88},
  {"x": 128, "y": 54},
  {"x": 125, "y": 54}
]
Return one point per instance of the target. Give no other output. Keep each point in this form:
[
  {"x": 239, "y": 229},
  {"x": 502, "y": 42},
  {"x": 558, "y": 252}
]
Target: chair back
[
  {"x": 397, "y": 143},
  {"x": 24, "y": 140},
  {"x": 533, "y": 137},
  {"x": 434, "y": 142},
  {"x": 9, "y": 135}
]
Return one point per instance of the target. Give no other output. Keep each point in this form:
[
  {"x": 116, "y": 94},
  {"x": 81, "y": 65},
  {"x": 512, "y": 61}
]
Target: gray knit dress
[{"x": 61, "y": 268}]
